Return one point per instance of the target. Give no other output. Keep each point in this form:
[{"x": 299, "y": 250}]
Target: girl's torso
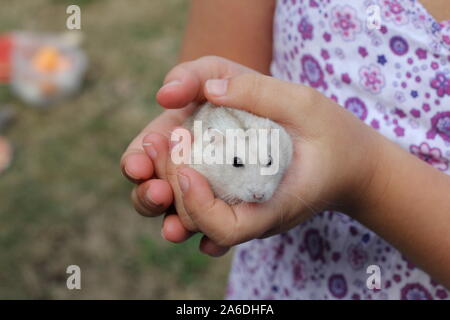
[{"x": 388, "y": 62}]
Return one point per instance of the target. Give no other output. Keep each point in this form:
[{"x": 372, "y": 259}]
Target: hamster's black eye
[
  {"x": 270, "y": 162},
  {"x": 237, "y": 162}
]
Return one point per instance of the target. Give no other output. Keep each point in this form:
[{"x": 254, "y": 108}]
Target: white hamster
[{"x": 238, "y": 179}]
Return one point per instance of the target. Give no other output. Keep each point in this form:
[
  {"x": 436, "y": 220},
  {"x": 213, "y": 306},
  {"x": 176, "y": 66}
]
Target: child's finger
[
  {"x": 136, "y": 166},
  {"x": 135, "y": 163},
  {"x": 156, "y": 146},
  {"x": 267, "y": 97},
  {"x": 173, "y": 229},
  {"x": 152, "y": 198},
  {"x": 209, "y": 247},
  {"x": 184, "y": 83}
]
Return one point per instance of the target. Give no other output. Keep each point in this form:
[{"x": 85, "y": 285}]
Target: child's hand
[
  {"x": 339, "y": 163},
  {"x": 144, "y": 161},
  {"x": 334, "y": 157},
  {"x": 146, "y": 168}
]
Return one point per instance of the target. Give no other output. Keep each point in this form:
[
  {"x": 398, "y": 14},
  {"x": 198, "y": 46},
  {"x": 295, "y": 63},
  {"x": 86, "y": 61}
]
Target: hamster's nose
[{"x": 258, "y": 196}]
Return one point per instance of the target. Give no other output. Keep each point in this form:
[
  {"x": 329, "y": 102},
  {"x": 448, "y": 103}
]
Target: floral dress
[{"x": 394, "y": 74}]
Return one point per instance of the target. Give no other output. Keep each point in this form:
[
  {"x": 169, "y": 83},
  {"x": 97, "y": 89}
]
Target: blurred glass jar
[{"x": 46, "y": 68}]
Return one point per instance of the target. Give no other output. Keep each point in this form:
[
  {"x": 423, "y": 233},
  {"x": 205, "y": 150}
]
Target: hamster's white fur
[{"x": 235, "y": 184}]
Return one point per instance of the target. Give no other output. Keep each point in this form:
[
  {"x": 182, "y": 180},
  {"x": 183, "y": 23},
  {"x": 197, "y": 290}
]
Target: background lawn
[{"x": 64, "y": 201}]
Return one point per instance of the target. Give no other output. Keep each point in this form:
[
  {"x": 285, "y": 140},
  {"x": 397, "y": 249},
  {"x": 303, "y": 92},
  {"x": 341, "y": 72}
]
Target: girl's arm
[
  {"x": 238, "y": 30},
  {"x": 408, "y": 204}
]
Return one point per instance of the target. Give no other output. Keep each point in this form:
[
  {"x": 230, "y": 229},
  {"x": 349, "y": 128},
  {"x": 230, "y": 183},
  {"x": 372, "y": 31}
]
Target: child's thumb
[{"x": 263, "y": 95}]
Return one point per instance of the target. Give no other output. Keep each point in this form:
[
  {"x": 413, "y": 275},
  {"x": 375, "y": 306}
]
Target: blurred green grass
[{"x": 63, "y": 201}]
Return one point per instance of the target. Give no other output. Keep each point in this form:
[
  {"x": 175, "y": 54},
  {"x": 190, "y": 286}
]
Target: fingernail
[
  {"x": 171, "y": 83},
  {"x": 132, "y": 176},
  {"x": 183, "y": 182},
  {"x": 150, "y": 149},
  {"x": 162, "y": 234},
  {"x": 216, "y": 87},
  {"x": 150, "y": 200}
]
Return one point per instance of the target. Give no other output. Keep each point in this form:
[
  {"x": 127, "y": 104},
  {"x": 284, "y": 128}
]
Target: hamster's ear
[{"x": 215, "y": 136}]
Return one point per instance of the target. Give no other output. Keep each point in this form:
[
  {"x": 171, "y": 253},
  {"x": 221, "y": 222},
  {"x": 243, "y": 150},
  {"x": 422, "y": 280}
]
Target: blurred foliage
[
  {"x": 5, "y": 94},
  {"x": 183, "y": 262},
  {"x": 63, "y": 201}
]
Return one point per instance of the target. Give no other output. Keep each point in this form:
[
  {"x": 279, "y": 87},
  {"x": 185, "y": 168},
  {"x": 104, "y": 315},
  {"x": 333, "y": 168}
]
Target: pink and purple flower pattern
[
  {"x": 371, "y": 78},
  {"x": 344, "y": 21},
  {"x": 432, "y": 156},
  {"x": 396, "y": 80},
  {"x": 394, "y": 11},
  {"x": 356, "y": 106},
  {"x": 415, "y": 291},
  {"x": 441, "y": 83},
  {"x": 440, "y": 125},
  {"x": 312, "y": 72},
  {"x": 306, "y": 29}
]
